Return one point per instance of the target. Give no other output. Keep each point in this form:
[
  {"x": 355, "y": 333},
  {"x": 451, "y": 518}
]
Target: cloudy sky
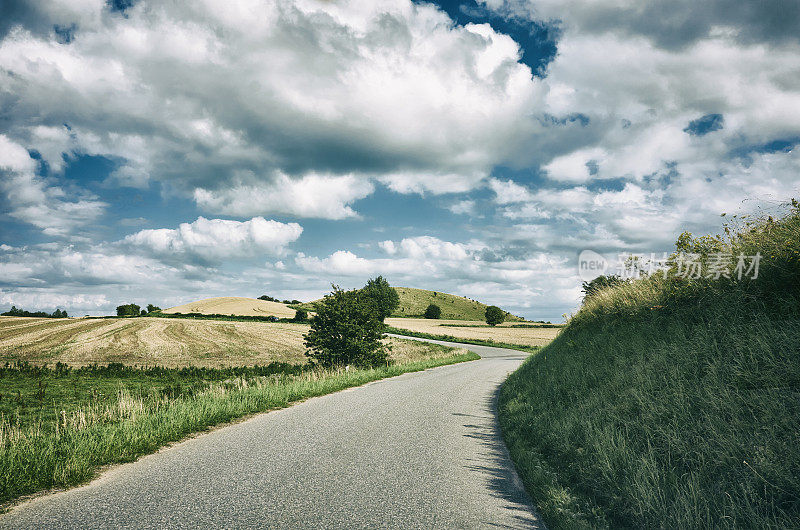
[{"x": 161, "y": 152}]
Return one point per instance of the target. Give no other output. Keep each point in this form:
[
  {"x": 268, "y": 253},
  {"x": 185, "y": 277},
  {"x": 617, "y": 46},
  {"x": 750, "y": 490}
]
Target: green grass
[
  {"x": 450, "y": 338},
  {"x": 413, "y": 303},
  {"x": 670, "y": 403},
  {"x": 113, "y": 415}
]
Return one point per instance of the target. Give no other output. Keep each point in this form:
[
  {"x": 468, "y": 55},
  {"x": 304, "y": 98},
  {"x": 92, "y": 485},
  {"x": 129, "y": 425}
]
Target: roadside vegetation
[
  {"x": 671, "y": 401},
  {"x": 94, "y": 417}
]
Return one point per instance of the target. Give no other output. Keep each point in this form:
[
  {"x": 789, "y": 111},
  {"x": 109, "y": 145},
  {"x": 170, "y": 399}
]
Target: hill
[
  {"x": 671, "y": 402},
  {"x": 234, "y": 305},
  {"x": 413, "y": 303}
]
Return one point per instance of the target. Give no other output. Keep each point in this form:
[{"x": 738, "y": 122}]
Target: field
[
  {"x": 234, "y": 305},
  {"x": 505, "y": 333},
  {"x": 164, "y": 342}
]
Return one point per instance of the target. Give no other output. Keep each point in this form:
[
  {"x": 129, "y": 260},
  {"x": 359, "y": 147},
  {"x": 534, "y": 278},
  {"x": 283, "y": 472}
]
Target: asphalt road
[{"x": 420, "y": 450}]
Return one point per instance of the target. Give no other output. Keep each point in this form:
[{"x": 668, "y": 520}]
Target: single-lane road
[{"x": 421, "y": 450}]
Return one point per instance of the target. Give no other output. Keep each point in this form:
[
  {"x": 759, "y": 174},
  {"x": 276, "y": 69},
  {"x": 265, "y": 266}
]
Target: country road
[{"x": 421, "y": 450}]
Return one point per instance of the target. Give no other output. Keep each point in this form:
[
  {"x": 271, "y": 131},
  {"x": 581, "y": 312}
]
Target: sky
[{"x": 163, "y": 152}]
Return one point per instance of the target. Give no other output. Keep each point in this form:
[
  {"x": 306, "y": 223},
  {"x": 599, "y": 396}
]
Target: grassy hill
[
  {"x": 413, "y": 303},
  {"x": 671, "y": 403}
]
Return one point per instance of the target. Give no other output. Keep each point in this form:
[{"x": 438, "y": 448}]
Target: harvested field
[
  {"x": 165, "y": 342},
  {"x": 234, "y": 305},
  {"x": 473, "y": 329}
]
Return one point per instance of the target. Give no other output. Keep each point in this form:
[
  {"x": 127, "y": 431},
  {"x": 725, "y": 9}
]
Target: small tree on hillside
[
  {"x": 151, "y": 308},
  {"x": 433, "y": 311},
  {"x": 300, "y": 315},
  {"x": 346, "y": 330},
  {"x": 494, "y": 315},
  {"x": 385, "y": 297},
  {"x": 601, "y": 282}
]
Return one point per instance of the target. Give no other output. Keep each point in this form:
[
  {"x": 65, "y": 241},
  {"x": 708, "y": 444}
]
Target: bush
[
  {"x": 300, "y": 315},
  {"x": 385, "y": 298},
  {"x": 494, "y": 315},
  {"x": 433, "y": 311},
  {"x": 152, "y": 308},
  {"x": 128, "y": 310},
  {"x": 591, "y": 288},
  {"x": 346, "y": 330}
]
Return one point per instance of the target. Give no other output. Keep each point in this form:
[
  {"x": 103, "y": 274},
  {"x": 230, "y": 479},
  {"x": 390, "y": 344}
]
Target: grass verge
[
  {"x": 68, "y": 446},
  {"x": 670, "y": 402},
  {"x": 450, "y": 338}
]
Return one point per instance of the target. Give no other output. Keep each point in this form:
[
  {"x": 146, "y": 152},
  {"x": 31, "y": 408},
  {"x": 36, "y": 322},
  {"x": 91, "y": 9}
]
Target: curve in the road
[{"x": 421, "y": 450}]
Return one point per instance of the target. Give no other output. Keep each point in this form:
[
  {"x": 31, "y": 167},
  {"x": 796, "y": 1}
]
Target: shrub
[
  {"x": 591, "y": 288},
  {"x": 433, "y": 311},
  {"x": 152, "y": 308},
  {"x": 385, "y": 298},
  {"x": 494, "y": 315},
  {"x": 346, "y": 330},
  {"x": 128, "y": 310},
  {"x": 300, "y": 315}
]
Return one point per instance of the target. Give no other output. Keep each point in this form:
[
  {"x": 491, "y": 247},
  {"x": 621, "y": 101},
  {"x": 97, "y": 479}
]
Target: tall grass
[
  {"x": 40, "y": 456},
  {"x": 671, "y": 403}
]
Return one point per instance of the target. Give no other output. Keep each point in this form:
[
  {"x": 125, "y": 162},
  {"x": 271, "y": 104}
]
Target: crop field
[
  {"x": 165, "y": 342},
  {"x": 234, "y": 305},
  {"x": 474, "y": 329}
]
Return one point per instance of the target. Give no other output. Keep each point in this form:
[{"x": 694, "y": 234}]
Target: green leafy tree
[
  {"x": 591, "y": 288},
  {"x": 128, "y": 310},
  {"x": 151, "y": 308},
  {"x": 494, "y": 315},
  {"x": 300, "y": 315},
  {"x": 385, "y": 297},
  {"x": 433, "y": 311},
  {"x": 346, "y": 331}
]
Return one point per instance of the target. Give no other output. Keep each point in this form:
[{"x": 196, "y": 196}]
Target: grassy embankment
[
  {"x": 59, "y": 426},
  {"x": 670, "y": 403}
]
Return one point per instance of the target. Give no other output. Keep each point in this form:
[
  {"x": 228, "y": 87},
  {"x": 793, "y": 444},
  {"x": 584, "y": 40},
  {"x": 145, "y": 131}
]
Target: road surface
[{"x": 420, "y": 450}]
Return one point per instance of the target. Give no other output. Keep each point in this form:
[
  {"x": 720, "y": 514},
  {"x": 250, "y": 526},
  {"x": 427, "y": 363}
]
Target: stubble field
[
  {"x": 165, "y": 342},
  {"x": 478, "y": 330}
]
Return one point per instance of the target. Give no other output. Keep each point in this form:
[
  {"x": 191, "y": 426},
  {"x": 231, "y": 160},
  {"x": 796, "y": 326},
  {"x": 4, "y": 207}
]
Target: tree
[
  {"x": 386, "y": 300},
  {"x": 128, "y": 310},
  {"x": 591, "y": 288},
  {"x": 151, "y": 308},
  {"x": 300, "y": 315},
  {"x": 494, "y": 315},
  {"x": 433, "y": 311},
  {"x": 346, "y": 330}
]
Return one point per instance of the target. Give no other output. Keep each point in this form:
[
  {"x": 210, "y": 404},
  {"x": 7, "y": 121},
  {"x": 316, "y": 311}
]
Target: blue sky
[{"x": 156, "y": 153}]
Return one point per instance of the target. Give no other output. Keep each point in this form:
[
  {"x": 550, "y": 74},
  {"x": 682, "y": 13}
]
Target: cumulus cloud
[
  {"x": 217, "y": 239},
  {"x": 32, "y": 199},
  {"x": 270, "y": 98}
]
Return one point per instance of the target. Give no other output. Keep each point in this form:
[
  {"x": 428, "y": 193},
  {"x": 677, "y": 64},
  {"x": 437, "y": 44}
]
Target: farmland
[
  {"x": 465, "y": 329},
  {"x": 234, "y": 305}
]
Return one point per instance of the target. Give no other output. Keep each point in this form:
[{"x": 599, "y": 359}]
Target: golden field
[
  {"x": 234, "y": 305},
  {"x": 168, "y": 342},
  {"x": 476, "y": 329}
]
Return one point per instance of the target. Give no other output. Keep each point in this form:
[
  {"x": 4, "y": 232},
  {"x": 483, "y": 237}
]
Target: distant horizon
[{"x": 151, "y": 151}]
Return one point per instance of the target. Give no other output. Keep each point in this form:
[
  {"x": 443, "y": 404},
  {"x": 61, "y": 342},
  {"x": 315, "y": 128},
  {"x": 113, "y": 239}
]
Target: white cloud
[
  {"x": 34, "y": 200},
  {"x": 269, "y": 92},
  {"x": 218, "y": 239},
  {"x": 321, "y": 196}
]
